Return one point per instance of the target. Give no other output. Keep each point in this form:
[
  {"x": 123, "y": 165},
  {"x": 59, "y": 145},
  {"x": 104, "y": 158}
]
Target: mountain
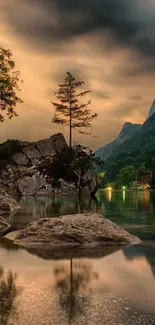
[
  {"x": 152, "y": 109},
  {"x": 138, "y": 150},
  {"x": 126, "y": 133},
  {"x": 142, "y": 140}
]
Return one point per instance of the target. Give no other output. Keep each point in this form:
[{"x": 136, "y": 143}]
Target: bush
[
  {"x": 68, "y": 161},
  {"x": 7, "y": 150}
]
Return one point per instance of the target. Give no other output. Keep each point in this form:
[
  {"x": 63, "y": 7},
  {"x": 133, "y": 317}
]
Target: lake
[{"x": 116, "y": 289}]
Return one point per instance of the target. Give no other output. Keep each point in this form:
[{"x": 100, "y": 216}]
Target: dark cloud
[{"x": 54, "y": 21}]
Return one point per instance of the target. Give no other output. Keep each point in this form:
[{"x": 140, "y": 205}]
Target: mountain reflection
[
  {"x": 8, "y": 293},
  {"x": 73, "y": 287},
  {"x": 139, "y": 251}
]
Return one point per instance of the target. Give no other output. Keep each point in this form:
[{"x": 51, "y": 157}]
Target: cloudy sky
[{"x": 109, "y": 44}]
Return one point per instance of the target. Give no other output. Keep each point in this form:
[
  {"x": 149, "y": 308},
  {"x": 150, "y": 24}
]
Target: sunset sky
[{"x": 109, "y": 44}]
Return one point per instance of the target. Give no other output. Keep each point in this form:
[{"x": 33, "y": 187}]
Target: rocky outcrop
[
  {"x": 82, "y": 230},
  {"x": 4, "y": 227},
  {"x": 7, "y": 204},
  {"x": 26, "y": 174}
]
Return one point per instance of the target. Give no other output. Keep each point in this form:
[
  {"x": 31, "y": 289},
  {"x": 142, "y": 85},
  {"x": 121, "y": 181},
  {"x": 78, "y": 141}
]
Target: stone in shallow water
[
  {"x": 83, "y": 231},
  {"x": 4, "y": 226},
  {"x": 7, "y": 203}
]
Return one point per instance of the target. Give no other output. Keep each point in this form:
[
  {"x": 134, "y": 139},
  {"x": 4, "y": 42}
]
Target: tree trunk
[
  {"x": 70, "y": 119},
  {"x": 70, "y": 131}
]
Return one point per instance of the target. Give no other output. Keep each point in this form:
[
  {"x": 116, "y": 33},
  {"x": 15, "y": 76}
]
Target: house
[{"x": 145, "y": 178}]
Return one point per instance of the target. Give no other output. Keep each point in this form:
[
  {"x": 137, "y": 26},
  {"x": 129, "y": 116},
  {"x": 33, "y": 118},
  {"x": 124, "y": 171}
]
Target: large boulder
[
  {"x": 48, "y": 147},
  {"x": 4, "y": 227},
  {"x": 7, "y": 203},
  {"x": 73, "y": 230},
  {"x": 30, "y": 185},
  {"x": 29, "y": 172},
  {"x": 20, "y": 158},
  {"x": 89, "y": 184},
  {"x": 33, "y": 154}
]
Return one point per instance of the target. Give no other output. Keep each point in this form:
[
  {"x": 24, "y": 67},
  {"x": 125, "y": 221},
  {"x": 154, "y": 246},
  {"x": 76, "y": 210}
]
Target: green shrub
[{"x": 7, "y": 150}]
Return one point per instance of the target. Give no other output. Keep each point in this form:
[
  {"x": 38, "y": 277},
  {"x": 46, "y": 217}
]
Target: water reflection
[
  {"x": 73, "y": 287},
  {"x": 121, "y": 207},
  {"x": 8, "y": 293},
  {"x": 33, "y": 208},
  {"x": 116, "y": 289},
  {"x": 132, "y": 207},
  {"x": 146, "y": 250}
]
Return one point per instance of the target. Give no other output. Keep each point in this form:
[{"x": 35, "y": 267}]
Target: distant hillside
[
  {"x": 126, "y": 133},
  {"x": 138, "y": 149},
  {"x": 143, "y": 139}
]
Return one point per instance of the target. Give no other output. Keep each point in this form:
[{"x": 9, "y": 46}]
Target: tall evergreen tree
[
  {"x": 9, "y": 84},
  {"x": 69, "y": 110}
]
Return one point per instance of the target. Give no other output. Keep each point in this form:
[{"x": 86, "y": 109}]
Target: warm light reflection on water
[{"x": 116, "y": 289}]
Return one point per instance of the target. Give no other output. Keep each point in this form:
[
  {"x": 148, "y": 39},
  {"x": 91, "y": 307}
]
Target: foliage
[
  {"x": 126, "y": 176},
  {"x": 9, "y": 148},
  {"x": 69, "y": 110},
  {"x": 138, "y": 151},
  {"x": 9, "y": 84},
  {"x": 70, "y": 161}
]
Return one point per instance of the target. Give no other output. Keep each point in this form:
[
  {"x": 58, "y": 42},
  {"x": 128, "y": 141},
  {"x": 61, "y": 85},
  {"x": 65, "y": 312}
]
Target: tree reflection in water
[
  {"x": 8, "y": 293},
  {"x": 72, "y": 287}
]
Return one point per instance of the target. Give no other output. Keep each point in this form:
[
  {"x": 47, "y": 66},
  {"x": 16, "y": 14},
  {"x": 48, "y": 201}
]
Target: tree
[
  {"x": 126, "y": 176},
  {"x": 9, "y": 80},
  {"x": 68, "y": 160},
  {"x": 69, "y": 110}
]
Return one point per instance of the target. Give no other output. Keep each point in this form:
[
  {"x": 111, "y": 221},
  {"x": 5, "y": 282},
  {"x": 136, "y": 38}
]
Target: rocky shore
[
  {"x": 26, "y": 173},
  {"x": 7, "y": 203}
]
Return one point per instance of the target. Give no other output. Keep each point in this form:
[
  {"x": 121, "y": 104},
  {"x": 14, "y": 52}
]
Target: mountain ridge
[
  {"x": 128, "y": 130},
  {"x": 127, "y": 138}
]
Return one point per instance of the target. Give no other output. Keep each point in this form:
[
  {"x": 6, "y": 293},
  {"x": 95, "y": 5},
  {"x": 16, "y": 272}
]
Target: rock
[
  {"x": 46, "y": 190},
  {"x": 66, "y": 189},
  {"x": 4, "y": 227},
  {"x": 20, "y": 159},
  {"x": 73, "y": 230},
  {"x": 22, "y": 168},
  {"x": 33, "y": 154},
  {"x": 89, "y": 184},
  {"x": 29, "y": 172},
  {"x": 7, "y": 203},
  {"x": 48, "y": 147},
  {"x": 30, "y": 185},
  {"x": 12, "y": 234}
]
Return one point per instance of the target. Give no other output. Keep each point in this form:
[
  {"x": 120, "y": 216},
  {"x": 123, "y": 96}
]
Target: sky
[{"x": 109, "y": 44}]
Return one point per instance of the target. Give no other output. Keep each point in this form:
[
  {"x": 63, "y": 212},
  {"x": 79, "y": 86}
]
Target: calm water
[{"x": 116, "y": 289}]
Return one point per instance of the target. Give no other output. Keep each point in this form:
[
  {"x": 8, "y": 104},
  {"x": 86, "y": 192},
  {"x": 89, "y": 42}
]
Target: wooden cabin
[{"x": 145, "y": 178}]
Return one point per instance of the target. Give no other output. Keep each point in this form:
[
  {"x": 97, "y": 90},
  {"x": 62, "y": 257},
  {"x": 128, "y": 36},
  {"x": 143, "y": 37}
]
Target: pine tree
[
  {"x": 9, "y": 79},
  {"x": 70, "y": 110}
]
